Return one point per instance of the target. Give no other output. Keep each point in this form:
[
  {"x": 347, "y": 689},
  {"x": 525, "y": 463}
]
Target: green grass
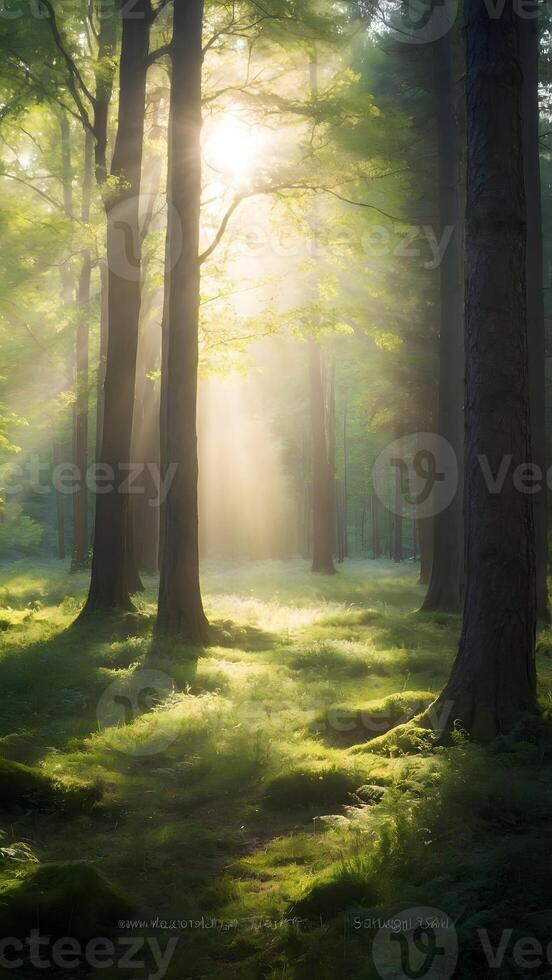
[{"x": 274, "y": 775}]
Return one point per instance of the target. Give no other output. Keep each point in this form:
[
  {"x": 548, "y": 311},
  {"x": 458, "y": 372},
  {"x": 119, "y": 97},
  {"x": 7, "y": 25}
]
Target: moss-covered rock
[
  {"x": 409, "y": 739},
  {"x": 370, "y": 793},
  {"x": 65, "y": 899},
  {"x": 19, "y": 748},
  {"x": 24, "y": 786},
  {"x": 345, "y": 725},
  {"x": 307, "y": 787}
]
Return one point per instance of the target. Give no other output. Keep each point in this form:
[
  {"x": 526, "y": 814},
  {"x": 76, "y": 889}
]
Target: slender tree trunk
[
  {"x": 80, "y": 440},
  {"x": 425, "y": 540},
  {"x": 345, "y": 486},
  {"x": 529, "y": 48},
  {"x": 68, "y": 299},
  {"x": 322, "y": 474},
  {"x": 375, "y": 528},
  {"x": 104, "y": 326},
  {"x": 105, "y": 70},
  {"x": 397, "y": 522},
  {"x": 105, "y": 73},
  {"x": 145, "y": 443},
  {"x": 444, "y": 592},
  {"x": 494, "y": 675},
  {"x": 113, "y": 571},
  {"x": 335, "y": 504},
  {"x": 180, "y": 611},
  {"x": 60, "y": 509},
  {"x": 145, "y": 432}
]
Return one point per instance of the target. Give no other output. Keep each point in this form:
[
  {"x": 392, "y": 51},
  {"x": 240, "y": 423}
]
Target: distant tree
[{"x": 323, "y": 466}]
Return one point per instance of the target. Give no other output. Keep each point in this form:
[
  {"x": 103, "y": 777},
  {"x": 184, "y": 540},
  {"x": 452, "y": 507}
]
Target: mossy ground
[{"x": 225, "y": 799}]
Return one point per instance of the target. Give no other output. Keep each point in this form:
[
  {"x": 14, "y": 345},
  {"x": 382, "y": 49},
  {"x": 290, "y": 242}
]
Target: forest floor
[{"x": 258, "y": 814}]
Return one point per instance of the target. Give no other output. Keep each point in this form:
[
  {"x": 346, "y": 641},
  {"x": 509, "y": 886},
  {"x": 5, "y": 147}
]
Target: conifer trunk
[
  {"x": 494, "y": 675},
  {"x": 113, "y": 571},
  {"x": 180, "y": 611}
]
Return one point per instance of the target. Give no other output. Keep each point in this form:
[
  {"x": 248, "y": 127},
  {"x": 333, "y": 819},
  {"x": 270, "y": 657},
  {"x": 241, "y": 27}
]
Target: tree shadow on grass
[
  {"x": 227, "y": 633},
  {"x": 53, "y": 687}
]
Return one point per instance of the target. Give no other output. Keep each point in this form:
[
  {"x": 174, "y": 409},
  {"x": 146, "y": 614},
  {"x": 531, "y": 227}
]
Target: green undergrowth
[
  {"x": 279, "y": 783},
  {"x": 22, "y": 786},
  {"x": 61, "y": 899}
]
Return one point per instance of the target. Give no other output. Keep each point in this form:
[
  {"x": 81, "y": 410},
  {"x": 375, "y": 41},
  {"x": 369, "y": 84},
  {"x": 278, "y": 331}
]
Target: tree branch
[
  {"x": 20, "y": 180},
  {"x": 223, "y": 226},
  {"x": 278, "y": 188},
  {"x": 74, "y": 79},
  {"x": 154, "y": 56}
]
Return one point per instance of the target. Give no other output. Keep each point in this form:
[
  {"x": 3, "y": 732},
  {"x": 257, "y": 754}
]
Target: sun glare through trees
[{"x": 275, "y": 474}]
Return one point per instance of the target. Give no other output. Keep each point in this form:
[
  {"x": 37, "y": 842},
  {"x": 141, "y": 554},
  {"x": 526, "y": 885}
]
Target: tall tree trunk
[
  {"x": 323, "y": 476},
  {"x": 60, "y": 509},
  {"x": 113, "y": 573},
  {"x": 529, "y": 48},
  {"x": 102, "y": 358},
  {"x": 444, "y": 592},
  {"x": 494, "y": 675},
  {"x": 107, "y": 37},
  {"x": 425, "y": 540},
  {"x": 145, "y": 432},
  {"x": 180, "y": 611},
  {"x": 345, "y": 486},
  {"x": 104, "y": 77},
  {"x": 397, "y": 521},
  {"x": 145, "y": 442},
  {"x": 80, "y": 440},
  {"x": 375, "y": 527}
]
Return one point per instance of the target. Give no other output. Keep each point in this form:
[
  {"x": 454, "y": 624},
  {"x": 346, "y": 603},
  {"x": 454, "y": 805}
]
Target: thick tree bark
[
  {"x": 444, "y": 592},
  {"x": 80, "y": 438},
  {"x": 493, "y": 676},
  {"x": 323, "y": 476},
  {"x": 180, "y": 611},
  {"x": 113, "y": 572},
  {"x": 529, "y": 48}
]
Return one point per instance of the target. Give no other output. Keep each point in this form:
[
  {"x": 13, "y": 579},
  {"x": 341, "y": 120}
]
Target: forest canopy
[{"x": 274, "y": 487}]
